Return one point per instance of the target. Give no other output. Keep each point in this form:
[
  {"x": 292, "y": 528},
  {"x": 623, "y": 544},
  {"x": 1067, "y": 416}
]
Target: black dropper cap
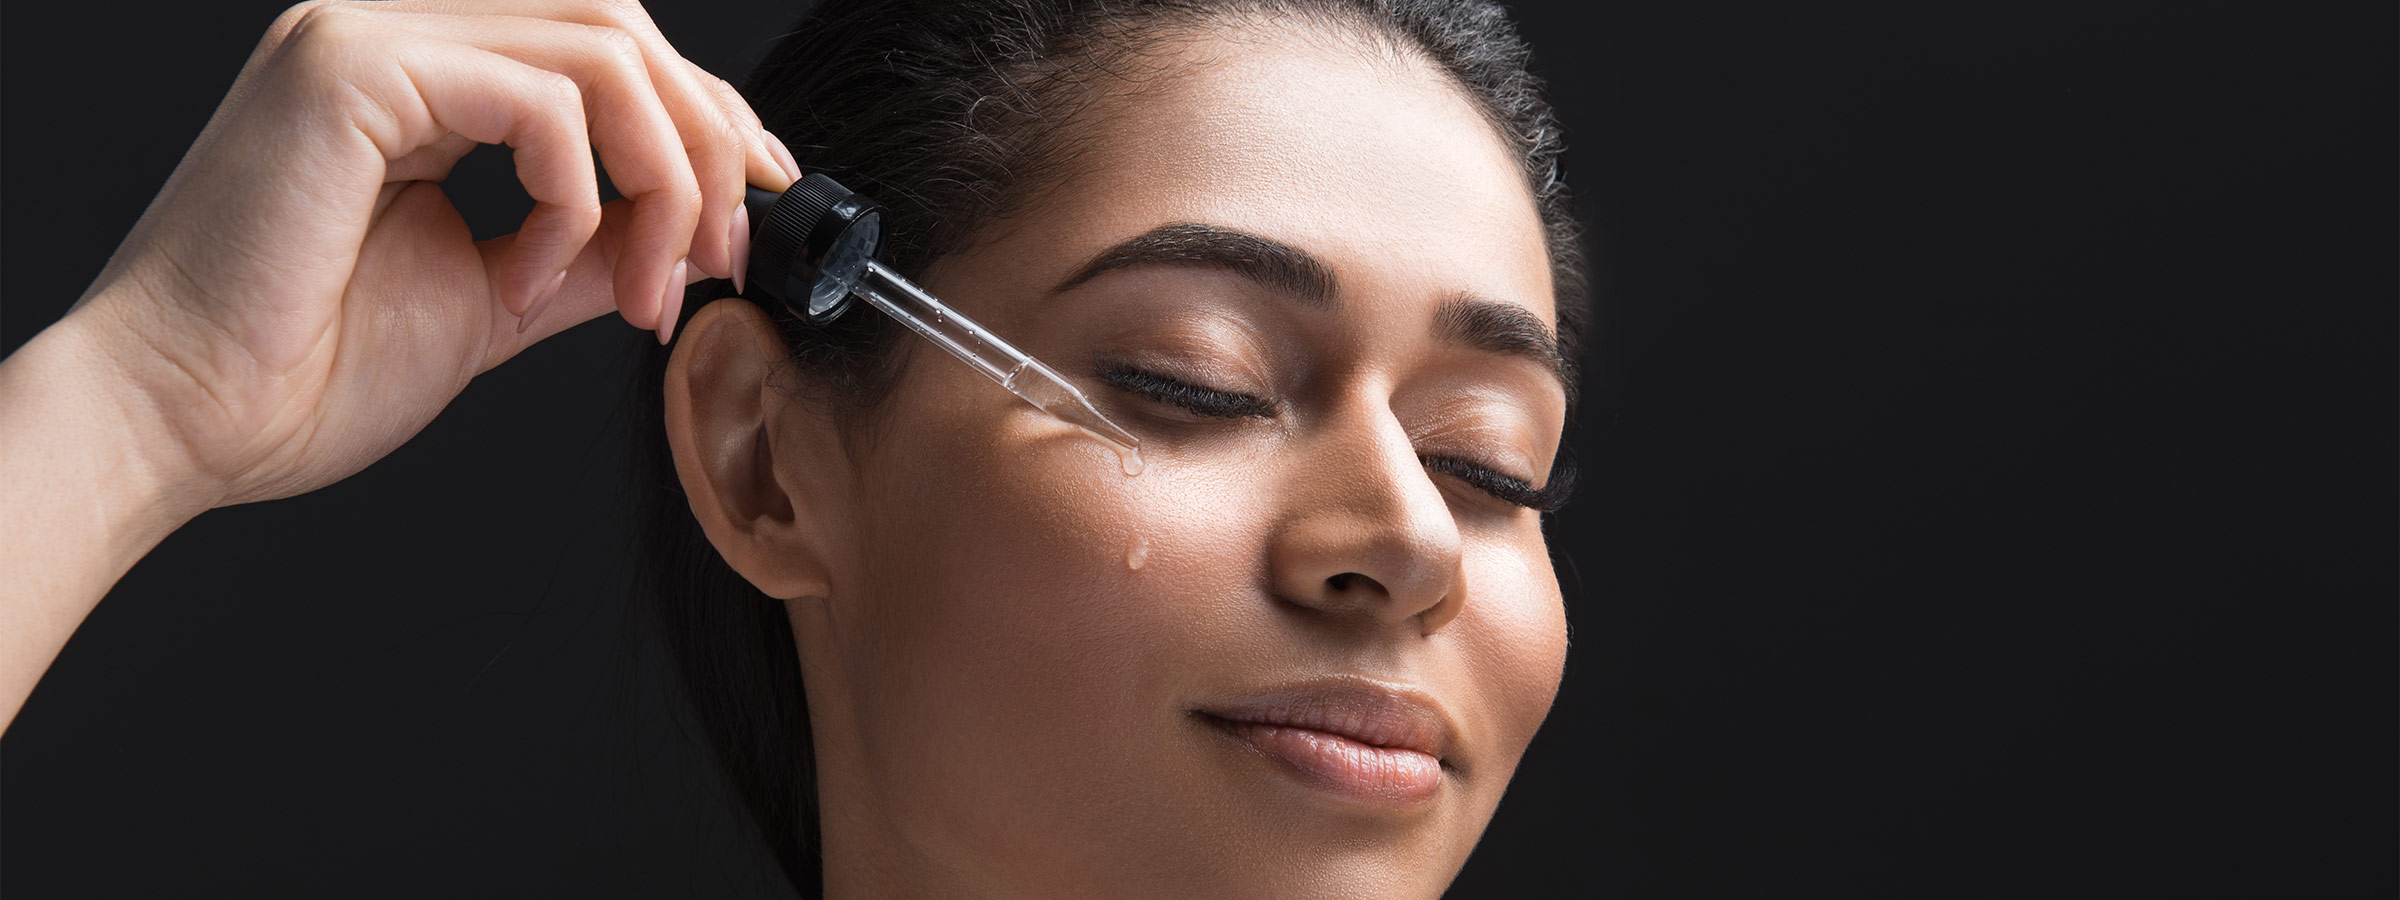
[{"x": 809, "y": 244}]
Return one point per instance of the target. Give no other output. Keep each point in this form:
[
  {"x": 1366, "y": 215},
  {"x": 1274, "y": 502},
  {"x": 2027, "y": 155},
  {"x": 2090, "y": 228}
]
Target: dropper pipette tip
[
  {"x": 1068, "y": 404},
  {"x": 1128, "y": 447}
]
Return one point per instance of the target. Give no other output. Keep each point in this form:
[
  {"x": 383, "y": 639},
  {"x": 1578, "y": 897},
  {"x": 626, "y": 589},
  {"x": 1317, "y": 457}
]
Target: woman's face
[{"x": 1291, "y": 657}]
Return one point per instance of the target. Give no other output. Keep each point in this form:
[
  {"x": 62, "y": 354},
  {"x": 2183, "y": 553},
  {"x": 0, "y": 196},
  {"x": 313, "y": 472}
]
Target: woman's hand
[{"x": 301, "y": 298}]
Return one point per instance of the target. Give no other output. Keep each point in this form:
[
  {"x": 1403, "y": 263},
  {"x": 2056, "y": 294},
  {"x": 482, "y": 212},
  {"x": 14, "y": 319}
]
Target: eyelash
[
  {"x": 1192, "y": 398},
  {"x": 1546, "y": 499},
  {"x": 1218, "y": 404}
]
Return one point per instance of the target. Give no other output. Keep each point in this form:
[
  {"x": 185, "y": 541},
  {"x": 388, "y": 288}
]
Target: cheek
[
  {"x": 1051, "y": 515},
  {"x": 1084, "y": 568},
  {"x": 1020, "y": 588},
  {"x": 1513, "y": 633},
  {"x": 1016, "y": 529}
]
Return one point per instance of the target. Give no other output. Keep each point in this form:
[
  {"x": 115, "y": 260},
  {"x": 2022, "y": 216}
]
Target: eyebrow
[
  {"x": 1491, "y": 326},
  {"x": 1505, "y": 329},
  {"x": 1272, "y": 263}
]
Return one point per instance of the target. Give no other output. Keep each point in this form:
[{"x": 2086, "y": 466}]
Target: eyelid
[
  {"x": 1234, "y": 405},
  {"x": 1508, "y": 488},
  {"x": 1196, "y": 399}
]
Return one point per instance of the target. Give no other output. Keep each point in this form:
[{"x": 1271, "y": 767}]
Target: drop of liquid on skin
[
  {"x": 1137, "y": 553},
  {"x": 1128, "y": 455}
]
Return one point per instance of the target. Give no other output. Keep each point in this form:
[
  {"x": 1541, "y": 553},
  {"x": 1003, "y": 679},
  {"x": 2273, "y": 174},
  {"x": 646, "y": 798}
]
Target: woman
[{"x": 1314, "y": 254}]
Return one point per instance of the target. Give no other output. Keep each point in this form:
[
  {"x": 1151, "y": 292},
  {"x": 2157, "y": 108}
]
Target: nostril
[{"x": 1346, "y": 582}]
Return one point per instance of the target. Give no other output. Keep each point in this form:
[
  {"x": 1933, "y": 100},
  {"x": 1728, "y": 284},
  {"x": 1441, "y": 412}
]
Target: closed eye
[
  {"x": 1213, "y": 403},
  {"x": 1547, "y": 498},
  {"x": 1192, "y": 398}
]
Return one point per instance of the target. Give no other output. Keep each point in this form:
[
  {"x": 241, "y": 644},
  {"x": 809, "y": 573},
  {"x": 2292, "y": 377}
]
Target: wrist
[
  {"x": 80, "y": 393},
  {"x": 89, "y": 490}
]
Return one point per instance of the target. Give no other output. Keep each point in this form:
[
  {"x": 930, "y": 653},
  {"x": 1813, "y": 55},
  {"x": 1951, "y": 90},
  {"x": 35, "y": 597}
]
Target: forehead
[{"x": 1307, "y": 134}]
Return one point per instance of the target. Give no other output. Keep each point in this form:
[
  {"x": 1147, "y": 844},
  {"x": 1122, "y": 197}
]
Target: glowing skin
[{"x": 1006, "y": 640}]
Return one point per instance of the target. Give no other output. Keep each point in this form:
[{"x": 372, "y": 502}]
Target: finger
[
  {"x": 650, "y": 156},
  {"x": 586, "y": 292},
  {"x": 420, "y": 102},
  {"x": 431, "y": 162},
  {"x": 767, "y": 163},
  {"x": 759, "y": 165},
  {"x": 718, "y": 163},
  {"x": 718, "y": 137},
  {"x": 489, "y": 98}
]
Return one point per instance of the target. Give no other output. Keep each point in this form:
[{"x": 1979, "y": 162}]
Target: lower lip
[{"x": 1343, "y": 766}]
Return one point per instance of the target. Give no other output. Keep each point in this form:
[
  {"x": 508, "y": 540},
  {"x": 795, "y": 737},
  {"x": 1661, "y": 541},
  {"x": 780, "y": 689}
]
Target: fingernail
[
  {"x": 671, "y": 303},
  {"x": 783, "y": 155},
  {"x": 741, "y": 245},
  {"x": 541, "y": 299}
]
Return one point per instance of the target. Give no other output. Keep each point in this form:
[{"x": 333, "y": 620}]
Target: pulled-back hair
[{"x": 951, "y": 113}]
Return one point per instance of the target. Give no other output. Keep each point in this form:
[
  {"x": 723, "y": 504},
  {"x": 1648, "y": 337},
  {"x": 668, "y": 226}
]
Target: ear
[{"x": 767, "y": 477}]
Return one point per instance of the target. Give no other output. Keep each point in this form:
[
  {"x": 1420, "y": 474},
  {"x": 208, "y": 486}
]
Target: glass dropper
[
  {"x": 997, "y": 359},
  {"x": 813, "y": 246}
]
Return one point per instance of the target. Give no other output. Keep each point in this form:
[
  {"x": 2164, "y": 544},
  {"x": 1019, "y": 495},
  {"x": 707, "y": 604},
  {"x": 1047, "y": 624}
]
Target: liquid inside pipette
[{"x": 1022, "y": 375}]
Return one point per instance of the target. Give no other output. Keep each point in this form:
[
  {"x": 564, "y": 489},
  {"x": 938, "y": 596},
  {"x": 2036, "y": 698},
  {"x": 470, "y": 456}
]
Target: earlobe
[{"x": 766, "y": 490}]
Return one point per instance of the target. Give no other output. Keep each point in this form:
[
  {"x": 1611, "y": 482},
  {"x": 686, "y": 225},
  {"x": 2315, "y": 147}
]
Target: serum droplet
[
  {"x": 1132, "y": 458},
  {"x": 1137, "y": 553}
]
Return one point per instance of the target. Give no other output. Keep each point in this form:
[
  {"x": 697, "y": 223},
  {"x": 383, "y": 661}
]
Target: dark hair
[{"x": 949, "y": 112}]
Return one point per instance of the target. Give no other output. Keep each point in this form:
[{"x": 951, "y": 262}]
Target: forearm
[{"x": 87, "y": 486}]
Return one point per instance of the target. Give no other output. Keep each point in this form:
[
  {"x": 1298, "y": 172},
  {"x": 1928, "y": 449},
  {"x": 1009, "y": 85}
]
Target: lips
[{"x": 1361, "y": 740}]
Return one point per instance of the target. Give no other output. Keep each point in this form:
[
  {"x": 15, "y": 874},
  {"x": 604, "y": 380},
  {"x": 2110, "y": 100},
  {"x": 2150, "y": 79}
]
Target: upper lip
[{"x": 1371, "y": 712}]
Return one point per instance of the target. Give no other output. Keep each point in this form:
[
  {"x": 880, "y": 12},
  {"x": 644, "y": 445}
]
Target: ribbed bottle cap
[{"x": 809, "y": 244}]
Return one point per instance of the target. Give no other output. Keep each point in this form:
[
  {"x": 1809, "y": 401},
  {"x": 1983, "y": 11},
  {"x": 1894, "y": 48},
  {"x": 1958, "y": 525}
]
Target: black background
[{"x": 1990, "y": 453}]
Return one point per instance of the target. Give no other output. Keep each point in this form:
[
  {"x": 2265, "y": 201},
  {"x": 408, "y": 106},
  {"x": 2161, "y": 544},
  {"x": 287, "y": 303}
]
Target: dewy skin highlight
[{"x": 813, "y": 247}]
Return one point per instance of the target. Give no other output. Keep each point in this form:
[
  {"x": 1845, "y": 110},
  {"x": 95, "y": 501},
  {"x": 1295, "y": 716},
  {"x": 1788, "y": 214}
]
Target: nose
[{"x": 1366, "y": 534}]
